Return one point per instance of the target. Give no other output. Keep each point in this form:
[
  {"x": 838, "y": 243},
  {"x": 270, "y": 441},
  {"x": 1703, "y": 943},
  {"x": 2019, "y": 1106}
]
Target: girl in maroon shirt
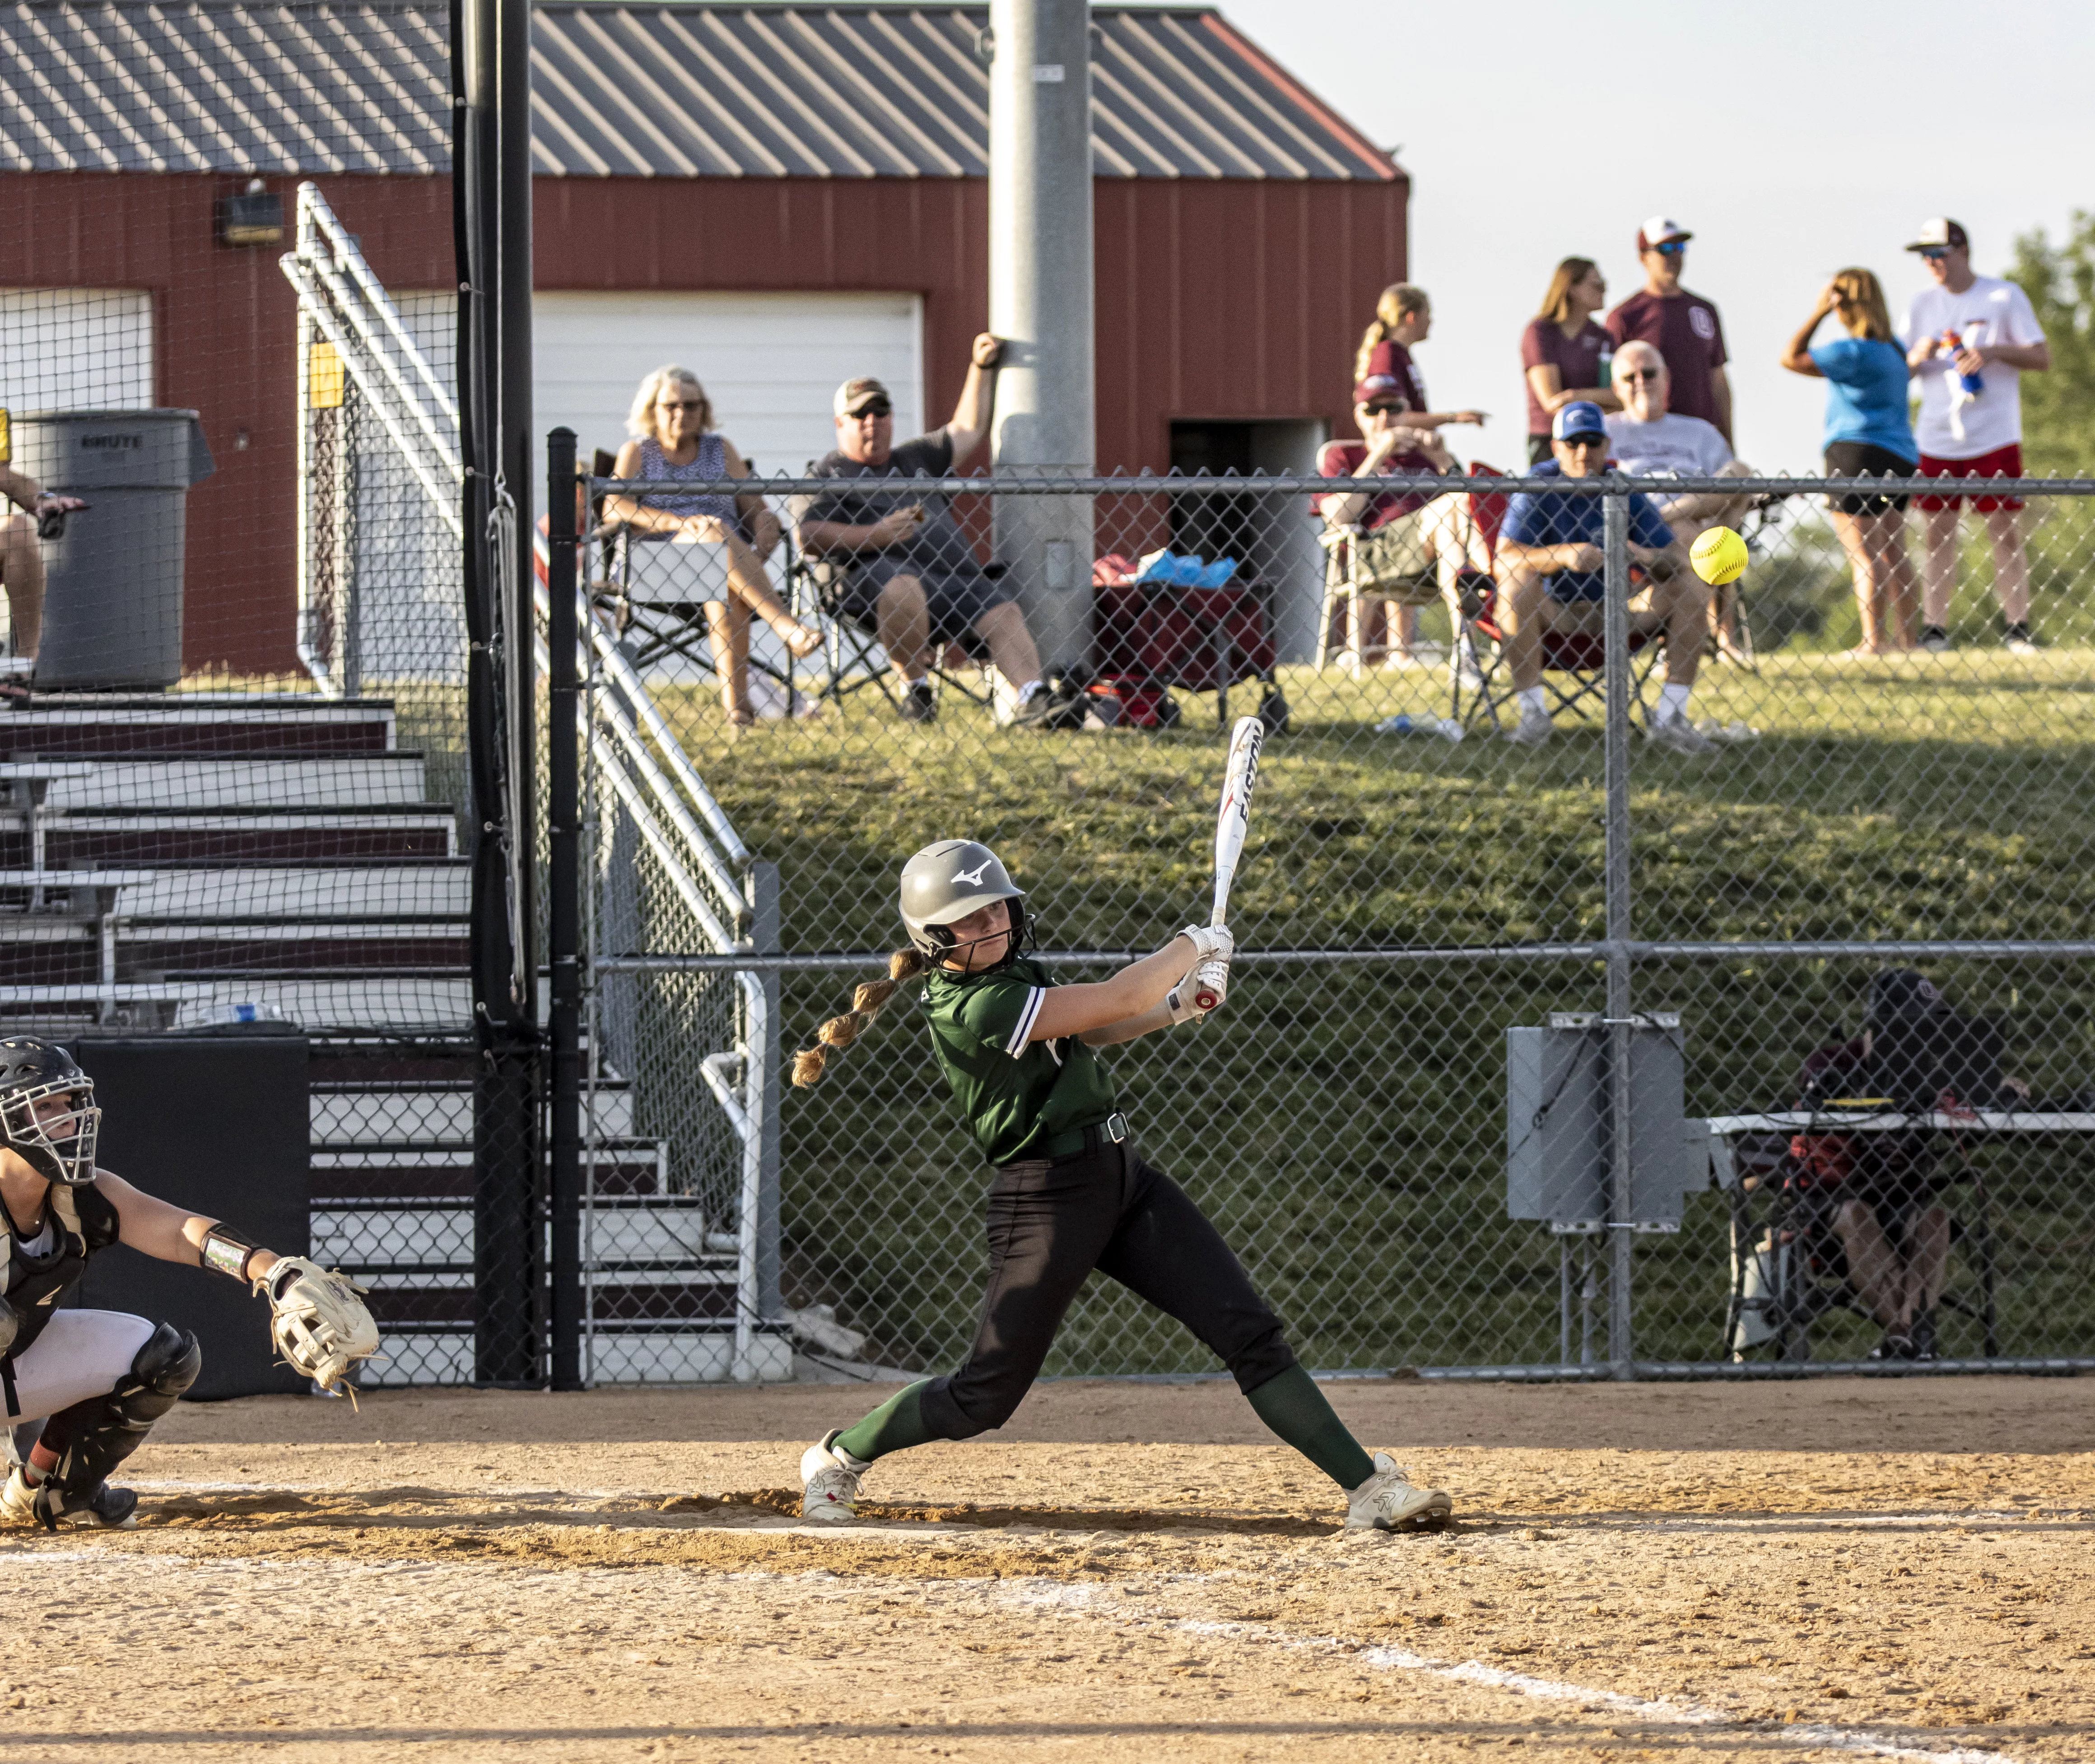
[{"x": 1564, "y": 353}]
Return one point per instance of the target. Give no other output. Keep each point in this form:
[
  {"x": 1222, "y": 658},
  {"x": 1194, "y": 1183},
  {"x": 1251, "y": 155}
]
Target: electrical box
[{"x": 1559, "y": 1162}]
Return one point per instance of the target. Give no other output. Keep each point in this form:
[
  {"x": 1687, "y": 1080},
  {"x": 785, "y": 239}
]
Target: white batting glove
[
  {"x": 1212, "y": 975},
  {"x": 1209, "y": 941}
]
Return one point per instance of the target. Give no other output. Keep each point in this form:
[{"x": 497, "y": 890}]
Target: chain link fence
[{"x": 1417, "y": 884}]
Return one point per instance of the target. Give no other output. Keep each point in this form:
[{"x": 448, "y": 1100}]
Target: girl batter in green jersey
[{"x": 1071, "y": 1192}]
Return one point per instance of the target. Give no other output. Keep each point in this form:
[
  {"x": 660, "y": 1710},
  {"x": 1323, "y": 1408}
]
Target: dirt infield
[{"x": 1128, "y": 1571}]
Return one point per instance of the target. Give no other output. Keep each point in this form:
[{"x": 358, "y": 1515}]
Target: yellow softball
[{"x": 1719, "y": 556}]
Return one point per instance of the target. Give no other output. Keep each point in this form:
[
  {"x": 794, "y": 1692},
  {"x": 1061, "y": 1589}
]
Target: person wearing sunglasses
[
  {"x": 1552, "y": 576},
  {"x": 914, "y": 577},
  {"x": 1683, "y": 326},
  {"x": 674, "y": 441},
  {"x": 1969, "y": 339}
]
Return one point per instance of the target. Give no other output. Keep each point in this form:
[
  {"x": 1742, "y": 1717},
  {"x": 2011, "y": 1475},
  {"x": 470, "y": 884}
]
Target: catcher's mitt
[{"x": 318, "y": 1319}]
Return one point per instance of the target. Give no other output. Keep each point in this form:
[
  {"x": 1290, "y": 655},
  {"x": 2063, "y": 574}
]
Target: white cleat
[
  {"x": 1678, "y": 734},
  {"x": 18, "y": 1501},
  {"x": 830, "y": 1493},
  {"x": 1533, "y": 728},
  {"x": 1386, "y": 1501}
]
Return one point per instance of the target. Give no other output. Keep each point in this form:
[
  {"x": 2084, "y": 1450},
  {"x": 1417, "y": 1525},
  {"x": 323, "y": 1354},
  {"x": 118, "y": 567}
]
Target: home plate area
[{"x": 1129, "y": 1572}]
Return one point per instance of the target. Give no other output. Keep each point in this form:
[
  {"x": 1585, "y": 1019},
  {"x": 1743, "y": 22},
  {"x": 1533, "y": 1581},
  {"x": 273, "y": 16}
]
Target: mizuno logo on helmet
[{"x": 973, "y": 877}]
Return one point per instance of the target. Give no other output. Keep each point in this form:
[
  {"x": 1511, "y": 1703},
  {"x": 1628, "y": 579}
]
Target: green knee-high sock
[
  {"x": 894, "y": 1427},
  {"x": 1296, "y": 1410}
]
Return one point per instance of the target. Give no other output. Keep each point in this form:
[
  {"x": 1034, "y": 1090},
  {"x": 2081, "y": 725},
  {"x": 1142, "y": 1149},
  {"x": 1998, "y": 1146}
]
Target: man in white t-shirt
[
  {"x": 1648, "y": 438},
  {"x": 1969, "y": 340}
]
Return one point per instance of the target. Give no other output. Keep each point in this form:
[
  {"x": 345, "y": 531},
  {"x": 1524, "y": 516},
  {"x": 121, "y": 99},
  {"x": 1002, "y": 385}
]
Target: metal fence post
[
  {"x": 1616, "y": 638},
  {"x": 564, "y": 906},
  {"x": 766, "y": 929}
]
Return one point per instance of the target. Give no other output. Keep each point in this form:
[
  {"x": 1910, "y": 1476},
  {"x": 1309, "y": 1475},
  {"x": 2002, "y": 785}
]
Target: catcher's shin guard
[{"x": 91, "y": 1438}]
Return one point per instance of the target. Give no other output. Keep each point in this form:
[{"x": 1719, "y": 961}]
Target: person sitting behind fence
[
  {"x": 1648, "y": 439},
  {"x": 912, "y": 572},
  {"x": 1404, "y": 536},
  {"x": 1883, "y": 1187},
  {"x": 1550, "y": 576},
  {"x": 674, "y": 441}
]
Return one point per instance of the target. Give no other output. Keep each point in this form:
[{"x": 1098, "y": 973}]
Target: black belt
[{"x": 1087, "y": 1142}]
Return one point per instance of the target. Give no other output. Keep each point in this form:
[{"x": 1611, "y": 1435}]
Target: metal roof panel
[{"x": 672, "y": 88}]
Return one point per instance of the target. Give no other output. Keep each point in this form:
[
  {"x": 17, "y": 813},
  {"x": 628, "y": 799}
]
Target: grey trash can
[{"x": 113, "y": 597}]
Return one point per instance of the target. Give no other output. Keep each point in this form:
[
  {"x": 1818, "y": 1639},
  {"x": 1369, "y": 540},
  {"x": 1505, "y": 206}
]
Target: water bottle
[
  {"x": 1607, "y": 369},
  {"x": 1973, "y": 383}
]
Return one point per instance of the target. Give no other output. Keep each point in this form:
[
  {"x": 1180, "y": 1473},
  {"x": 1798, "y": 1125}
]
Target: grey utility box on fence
[
  {"x": 1558, "y": 1157},
  {"x": 113, "y": 597}
]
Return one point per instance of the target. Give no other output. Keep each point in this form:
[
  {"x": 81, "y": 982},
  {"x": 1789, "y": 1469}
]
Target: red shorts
[{"x": 2002, "y": 462}]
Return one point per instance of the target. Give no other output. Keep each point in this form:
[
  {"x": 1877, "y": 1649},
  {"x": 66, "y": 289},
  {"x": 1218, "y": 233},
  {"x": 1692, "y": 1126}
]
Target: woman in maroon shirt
[{"x": 1565, "y": 355}]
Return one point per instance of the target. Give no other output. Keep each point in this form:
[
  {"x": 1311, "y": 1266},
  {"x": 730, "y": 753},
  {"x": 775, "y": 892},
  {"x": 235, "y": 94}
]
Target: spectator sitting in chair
[
  {"x": 1551, "y": 578},
  {"x": 913, "y": 571},
  {"x": 1404, "y": 536},
  {"x": 1894, "y": 1232},
  {"x": 674, "y": 440},
  {"x": 21, "y": 564}
]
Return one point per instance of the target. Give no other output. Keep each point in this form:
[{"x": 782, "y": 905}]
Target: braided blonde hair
[{"x": 869, "y": 997}]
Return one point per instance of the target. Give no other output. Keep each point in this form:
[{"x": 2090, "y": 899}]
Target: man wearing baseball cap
[
  {"x": 912, "y": 574},
  {"x": 1552, "y": 577},
  {"x": 1683, "y": 326},
  {"x": 1969, "y": 339}
]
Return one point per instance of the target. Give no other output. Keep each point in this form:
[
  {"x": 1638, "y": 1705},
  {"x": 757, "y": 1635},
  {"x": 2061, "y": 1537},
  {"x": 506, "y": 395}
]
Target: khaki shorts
[{"x": 1396, "y": 561}]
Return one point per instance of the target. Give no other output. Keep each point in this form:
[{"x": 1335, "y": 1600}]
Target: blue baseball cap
[{"x": 1582, "y": 418}]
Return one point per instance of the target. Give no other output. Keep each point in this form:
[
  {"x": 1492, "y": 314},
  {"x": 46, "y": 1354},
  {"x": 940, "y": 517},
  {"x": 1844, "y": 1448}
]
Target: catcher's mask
[
  {"x": 59, "y": 1147},
  {"x": 944, "y": 883}
]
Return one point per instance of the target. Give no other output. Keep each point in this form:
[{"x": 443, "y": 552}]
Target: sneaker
[
  {"x": 1934, "y": 640},
  {"x": 1893, "y": 1347},
  {"x": 2016, "y": 641},
  {"x": 103, "y": 1508},
  {"x": 1386, "y": 1501},
  {"x": 919, "y": 705},
  {"x": 830, "y": 1493},
  {"x": 17, "y": 1500},
  {"x": 1923, "y": 1337},
  {"x": 1534, "y": 728},
  {"x": 1678, "y": 734},
  {"x": 1046, "y": 709}
]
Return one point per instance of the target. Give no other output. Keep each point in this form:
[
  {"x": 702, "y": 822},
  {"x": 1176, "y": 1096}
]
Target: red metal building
[{"x": 1243, "y": 228}]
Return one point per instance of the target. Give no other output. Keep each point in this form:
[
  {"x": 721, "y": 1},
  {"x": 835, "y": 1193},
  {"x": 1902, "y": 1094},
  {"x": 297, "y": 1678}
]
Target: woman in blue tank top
[{"x": 674, "y": 441}]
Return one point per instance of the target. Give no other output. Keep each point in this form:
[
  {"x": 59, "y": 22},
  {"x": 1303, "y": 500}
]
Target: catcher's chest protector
[{"x": 83, "y": 1221}]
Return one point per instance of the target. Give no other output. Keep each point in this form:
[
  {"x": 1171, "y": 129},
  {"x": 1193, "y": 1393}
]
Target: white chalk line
[
  {"x": 1804, "y": 1735},
  {"x": 1035, "y": 1593}
]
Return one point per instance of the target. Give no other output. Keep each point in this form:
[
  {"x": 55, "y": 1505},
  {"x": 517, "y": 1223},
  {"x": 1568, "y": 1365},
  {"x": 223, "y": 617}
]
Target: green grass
[{"x": 1345, "y": 1122}]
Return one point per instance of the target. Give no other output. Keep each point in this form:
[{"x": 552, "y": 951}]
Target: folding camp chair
[
  {"x": 1789, "y": 1269},
  {"x": 852, "y": 645},
  {"x": 655, "y": 593}
]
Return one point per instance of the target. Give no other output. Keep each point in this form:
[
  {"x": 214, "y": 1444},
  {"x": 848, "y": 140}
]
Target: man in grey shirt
[{"x": 912, "y": 570}]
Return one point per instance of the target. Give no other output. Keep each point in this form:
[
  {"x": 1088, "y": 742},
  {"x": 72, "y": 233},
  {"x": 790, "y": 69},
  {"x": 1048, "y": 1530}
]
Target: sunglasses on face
[
  {"x": 1585, "y": 442},
  {"x": 1643, "y": 373},
  {"x": 680, "y": 404},
  {"x": 1935, "y": 253},
  {"x": 873, "y": 411},
  {"x": 1671, "y": 248}
]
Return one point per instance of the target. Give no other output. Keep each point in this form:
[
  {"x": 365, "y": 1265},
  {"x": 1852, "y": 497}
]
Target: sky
[{"x": 1793, "y": 140}]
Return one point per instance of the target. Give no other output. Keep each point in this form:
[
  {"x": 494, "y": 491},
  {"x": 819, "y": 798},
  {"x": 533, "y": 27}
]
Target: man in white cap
[
  {"x": 1683, "y": 326},
  {"x": 1969, "y": 340}
]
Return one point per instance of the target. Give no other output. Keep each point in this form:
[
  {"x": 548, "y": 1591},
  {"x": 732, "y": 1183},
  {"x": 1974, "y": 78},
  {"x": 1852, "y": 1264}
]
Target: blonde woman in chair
[{"x": 674, "y": 440}]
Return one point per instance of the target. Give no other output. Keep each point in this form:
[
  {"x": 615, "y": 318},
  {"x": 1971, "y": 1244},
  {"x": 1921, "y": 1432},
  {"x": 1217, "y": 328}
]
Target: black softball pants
[{"x": 1050, "y": 1225}]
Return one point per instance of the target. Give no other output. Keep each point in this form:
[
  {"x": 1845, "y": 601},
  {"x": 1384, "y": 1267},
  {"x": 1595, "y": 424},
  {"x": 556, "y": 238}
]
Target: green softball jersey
[{"x": 1017, "y": 1096}]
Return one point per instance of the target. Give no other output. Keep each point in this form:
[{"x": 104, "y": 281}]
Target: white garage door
[
  {"x": 771, "y": 363},
  {"x": 75, "y": 349}
]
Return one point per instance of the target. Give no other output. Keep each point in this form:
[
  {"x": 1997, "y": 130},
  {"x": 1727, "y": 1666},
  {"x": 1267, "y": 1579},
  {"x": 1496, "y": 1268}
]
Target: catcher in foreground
[{"x": 99, "y": 1380}]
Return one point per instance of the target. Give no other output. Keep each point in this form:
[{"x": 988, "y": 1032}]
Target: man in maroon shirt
[{"x": 1683, "y": 327}]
